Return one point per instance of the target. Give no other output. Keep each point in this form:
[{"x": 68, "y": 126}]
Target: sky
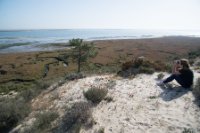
[{"x": 100, "y": 14}]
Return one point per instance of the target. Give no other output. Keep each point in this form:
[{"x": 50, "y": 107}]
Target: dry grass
[
  {"x": 160, "y": 76},
  {"x": 95, "y": 94},
  {"x": 42, "y": 122},
  {"x": 78, "y": 115},
  {"x": 111, "y": 54},
  {"x": 196, "y": 89},
  {"x": 12, "y": 111},
  {"x": 142, "y": 65}
]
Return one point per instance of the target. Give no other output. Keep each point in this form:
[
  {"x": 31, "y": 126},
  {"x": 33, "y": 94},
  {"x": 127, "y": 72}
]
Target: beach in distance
[{"x": 12, "y": 41}]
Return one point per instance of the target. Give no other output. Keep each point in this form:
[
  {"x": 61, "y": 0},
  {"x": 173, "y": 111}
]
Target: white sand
[{"x": 138, "y": 106}]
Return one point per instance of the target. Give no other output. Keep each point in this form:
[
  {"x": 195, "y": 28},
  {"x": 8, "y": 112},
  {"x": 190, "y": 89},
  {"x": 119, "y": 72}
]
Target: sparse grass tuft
[
  {"x": 79, "y": 114},
  {"x": 194, "y": 54},
  {"x": 196, "y": 89},
  {"x": 188, "y": 130},
  {"x": 42, "y": 122},
  {"x": 142, "y": 65},
  {"x": 95, "y": 94},
  {"x": 7, "y": 87},
  {"x": 101, "y": 130},
  {"x": 160, "y": 76},
  {"x": 11, "y": 112},
  {"x": 108, "y": 99},
  {"x": 146, "y": 70},
  {"x": 152, "y": 97},
  {"x": 73, "y": 76}
]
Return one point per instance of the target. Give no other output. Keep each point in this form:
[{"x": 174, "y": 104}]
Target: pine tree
[{"x": 81, "y": 51}]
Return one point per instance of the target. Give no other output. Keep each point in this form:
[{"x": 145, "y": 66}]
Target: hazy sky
[{"x": 135, "y": 14}]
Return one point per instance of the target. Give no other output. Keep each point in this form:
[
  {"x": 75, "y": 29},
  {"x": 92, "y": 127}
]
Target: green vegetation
[
  {"x": 101, "y": 130},
  {"x": 18, "y": 87},
  {"x": 42, "y": 122},
  {"x": 15, "y": 109},
  {"x": 146, "y": 70},
  {"x": 95, "y": 94},
  {"x": 79, "y": 114},
  {"x": 4, "y": 46},
  {"x": 188, "y": 130},
  {"x": 152, "y": 97},
  {"x": 81, "y": 51},
  {"x": 73, "y": 76},
  {"x": 93, "y": 68},
  {"x": 30, "y": 73},
  {"x": 108, "y": 99},
  {"x": 196, "y": 89},
  {"x": 194, "y": 54},
  {"x": 142, "y": 65},
  {"x": 12, "y": 111},
  {"x": 160, "y": 76}
]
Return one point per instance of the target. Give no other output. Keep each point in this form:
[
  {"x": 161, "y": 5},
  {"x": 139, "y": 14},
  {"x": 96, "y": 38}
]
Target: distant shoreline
[{"x": 28, "y": 47}]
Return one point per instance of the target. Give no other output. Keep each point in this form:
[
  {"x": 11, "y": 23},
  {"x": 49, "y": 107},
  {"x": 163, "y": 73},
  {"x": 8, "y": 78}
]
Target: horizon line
[{"x": 27, "y": 29}]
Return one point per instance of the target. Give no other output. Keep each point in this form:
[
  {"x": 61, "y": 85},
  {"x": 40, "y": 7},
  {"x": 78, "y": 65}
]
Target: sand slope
[
  {"x": 138, "y": 105},
  {"x": 141, "y": 106}
]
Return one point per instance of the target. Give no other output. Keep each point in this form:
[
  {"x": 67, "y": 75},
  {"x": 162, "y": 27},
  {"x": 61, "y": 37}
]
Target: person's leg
[
  {"x": 176, "y": 77},
  {"x": 170, "y": 78}
]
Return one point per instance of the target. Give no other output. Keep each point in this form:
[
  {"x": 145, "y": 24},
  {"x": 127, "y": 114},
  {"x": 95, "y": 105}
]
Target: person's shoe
[{"x": 160, "y": 83}]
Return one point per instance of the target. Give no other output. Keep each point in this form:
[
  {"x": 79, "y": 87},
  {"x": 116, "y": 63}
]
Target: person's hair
[{"x": 185, "y": 63}]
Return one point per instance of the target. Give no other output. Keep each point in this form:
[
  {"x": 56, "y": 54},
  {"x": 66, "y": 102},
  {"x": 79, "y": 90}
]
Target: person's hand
[{"x": 175, "y": 62}]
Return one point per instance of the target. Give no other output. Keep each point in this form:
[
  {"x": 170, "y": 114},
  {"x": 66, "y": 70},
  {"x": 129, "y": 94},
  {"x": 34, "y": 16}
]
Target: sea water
[{"x": 26, "y": 40}]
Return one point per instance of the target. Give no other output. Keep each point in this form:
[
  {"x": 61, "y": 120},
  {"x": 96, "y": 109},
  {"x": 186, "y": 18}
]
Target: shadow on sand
[{"x": 170, "y": 93}]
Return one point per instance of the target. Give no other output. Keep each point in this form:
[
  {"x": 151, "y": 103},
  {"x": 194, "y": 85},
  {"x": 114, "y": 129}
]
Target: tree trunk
[{"x": 79, "y": 60}]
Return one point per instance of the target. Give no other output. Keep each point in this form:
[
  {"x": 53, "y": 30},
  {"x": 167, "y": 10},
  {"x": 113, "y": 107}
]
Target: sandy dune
[{"x": 138, "y": 105}]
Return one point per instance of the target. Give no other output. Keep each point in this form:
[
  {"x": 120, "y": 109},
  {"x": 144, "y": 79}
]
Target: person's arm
[{"x": 175, "y": 69}]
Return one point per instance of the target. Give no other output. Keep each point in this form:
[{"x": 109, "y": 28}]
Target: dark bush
[
  {"x": 146, "y": 70},
  {"x": 73, "y": 76},
  {"x": 108, "y": 99},
  {"x": 11, "y": 112},
  {"x": 95, "y": 94},
  {"x": 160, "y": 76},
  {"x": 196, "y": 89},
  {"x": 79, "y": 114},
  {"x": 194, "y": 54},
  {"x": 142, "y": 65},
  {"x": 42, "y": 122}
]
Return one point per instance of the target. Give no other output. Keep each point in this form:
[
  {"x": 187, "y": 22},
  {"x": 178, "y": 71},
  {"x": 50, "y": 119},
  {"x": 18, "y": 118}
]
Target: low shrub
[
  {"x": 42, "y": 122},
  {"x": 196, "y": 89},
  {"x": 146, "y": 70},
  {"x": 95, "y": 94},
  {"x": 194, "y": 54},
  {"x": 160, "y": 76},
  {"x": 11, "y": 112},
  {"x": 101, "y": 69},
  {"x": 101, "y": 130},
  {"x": 73, "y": 76},
  {"x": 7, "y": 87},
  {"x": 152, "y": 97},
  {"x": 142, "y": 65},
  {"x": 79, "y": 114},
  {"x": 108, "y": 99},
  {"x": 188, "y": 130}
]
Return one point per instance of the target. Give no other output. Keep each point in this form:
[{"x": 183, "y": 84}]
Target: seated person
[{"x": 182, "y": 73}]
